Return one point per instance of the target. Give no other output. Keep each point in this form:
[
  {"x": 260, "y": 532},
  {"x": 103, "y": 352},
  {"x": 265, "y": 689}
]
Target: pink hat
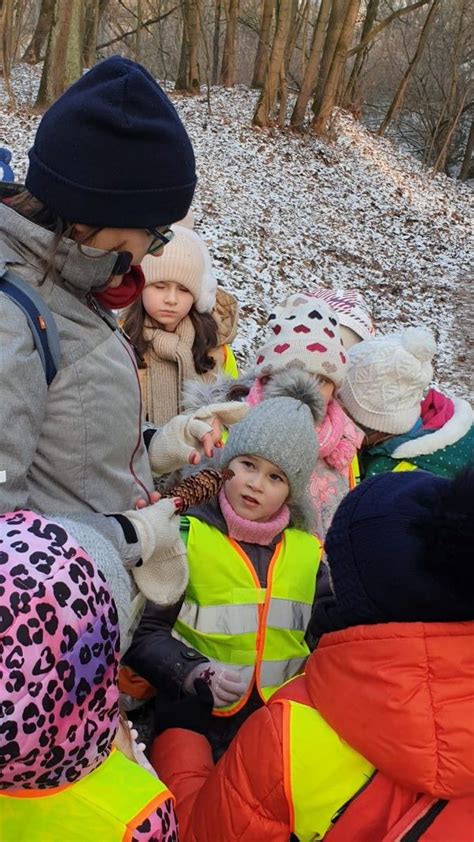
[{"x": 351, "y": 309}]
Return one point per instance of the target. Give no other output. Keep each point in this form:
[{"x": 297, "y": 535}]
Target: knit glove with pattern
[
  {"x": 162, "y": 575},
  {"x": 173, "y": 445},
  {"x": 226, "y": 684}
]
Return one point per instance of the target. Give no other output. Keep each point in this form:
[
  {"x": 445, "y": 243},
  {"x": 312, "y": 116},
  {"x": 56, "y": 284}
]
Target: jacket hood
[
  {"x": 59, "y": 643},
  {"x": 80, "y": 269},
  {"x": 451, "y": 432},
  {"x": 401, "y": 695},
  {"x": 226, "y": 315}
]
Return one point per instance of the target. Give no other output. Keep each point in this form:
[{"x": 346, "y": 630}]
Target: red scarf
[{"x": 129, "y": 290}]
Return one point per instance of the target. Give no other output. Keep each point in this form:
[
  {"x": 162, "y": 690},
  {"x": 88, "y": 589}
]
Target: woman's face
[
  {"x": 167, "y": 303},
  {"x": 137, "y": 241},
  {"x": 258, "y": 489}
]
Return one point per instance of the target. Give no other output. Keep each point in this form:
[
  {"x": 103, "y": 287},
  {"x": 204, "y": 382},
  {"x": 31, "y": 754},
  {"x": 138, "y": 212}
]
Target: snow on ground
[{"x": 283, "y": 212}]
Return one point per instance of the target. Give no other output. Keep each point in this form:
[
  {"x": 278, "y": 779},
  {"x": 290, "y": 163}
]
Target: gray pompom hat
[{"x": 281, "y": 430}]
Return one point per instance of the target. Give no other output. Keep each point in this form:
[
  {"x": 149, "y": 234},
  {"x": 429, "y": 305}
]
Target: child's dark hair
[{"x": 205, "y": 335}]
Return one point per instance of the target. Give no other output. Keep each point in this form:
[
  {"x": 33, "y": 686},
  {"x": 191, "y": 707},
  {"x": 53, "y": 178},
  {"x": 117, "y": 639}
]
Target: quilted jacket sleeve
[{"x": 243, "y": 795}]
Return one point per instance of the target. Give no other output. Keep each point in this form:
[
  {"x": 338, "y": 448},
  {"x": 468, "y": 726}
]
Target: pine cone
[{"x": 199, "y": 488}]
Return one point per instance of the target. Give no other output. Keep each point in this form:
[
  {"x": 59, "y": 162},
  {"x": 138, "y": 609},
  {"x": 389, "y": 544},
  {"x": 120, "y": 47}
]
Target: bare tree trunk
[
  {"x": 6, "y": 46},
  {"x": 93, "y": 12},
  {"x": 188, "y": 74},
  {"x": 63, "y": 63},
  {"x": 466, "y": 166},
  {"x": 263, "y": 49},
  {"x": 269, "y": 92},
  {"x": 228, "y": 55},
  {"x": 334, "y": 28},
  {"x": 361, "y": 56},
  {"x": 322, "y": 117},
  {"x": 397, "y": 101},
  {"x": 139, "y": 32},
  {"x": 441, "y": 160},
  {"x": 34, "y": 50},
  {"x": 215, "y": 42},
  {"x": 309, "y": 78}
]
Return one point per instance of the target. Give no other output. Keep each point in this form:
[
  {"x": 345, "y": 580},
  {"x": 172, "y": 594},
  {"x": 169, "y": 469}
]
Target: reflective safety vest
[
  {"x": 109, "y": 804},
  {"x": 228, "y": 617},
  {"x": 230, "y": 363},
  {"x": 354, "y": 472},
  {"x": 321, "y": 772},
  {"x": 404, "y": 466}
]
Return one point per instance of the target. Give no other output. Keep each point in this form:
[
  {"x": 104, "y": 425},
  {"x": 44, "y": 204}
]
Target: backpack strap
[{"x": 39, "y": 317}]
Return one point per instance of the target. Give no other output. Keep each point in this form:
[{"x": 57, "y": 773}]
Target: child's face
[
  {"x": 167, "y": 303},
  {"x": 258, "y": 488},
  {"x": 326, "y": 387}
]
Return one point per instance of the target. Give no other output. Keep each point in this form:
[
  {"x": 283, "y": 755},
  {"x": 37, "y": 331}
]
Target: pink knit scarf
[
  {"x": 338, "y": 437},
  {"x": 251, "y": 531}
]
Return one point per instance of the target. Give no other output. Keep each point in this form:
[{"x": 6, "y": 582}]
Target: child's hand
[{"x": 225, "y": 684}]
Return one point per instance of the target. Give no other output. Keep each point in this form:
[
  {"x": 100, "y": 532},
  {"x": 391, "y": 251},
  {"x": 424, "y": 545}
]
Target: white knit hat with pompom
[
  {"x": 186, "y": 261},
  {"x": 386, "y": 379}
]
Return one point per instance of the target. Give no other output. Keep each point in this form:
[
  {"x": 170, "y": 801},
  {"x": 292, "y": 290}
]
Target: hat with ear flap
[{"x": 185, "y": 261}]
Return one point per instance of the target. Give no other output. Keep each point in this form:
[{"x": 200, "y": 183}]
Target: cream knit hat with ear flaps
[
  {"x": 304, "y": 334},
  {"x": 186, "y": 261},
  {"x": 386, "y": 379}
]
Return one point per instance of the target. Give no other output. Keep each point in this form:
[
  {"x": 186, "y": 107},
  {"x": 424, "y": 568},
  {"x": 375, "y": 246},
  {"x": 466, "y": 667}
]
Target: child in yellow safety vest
[
  {"x": 304, "y": 334},
  {"x": 182, "y": 325},
  {"x": 252, "y": 571},
  {"x": 63, "y": 773}
]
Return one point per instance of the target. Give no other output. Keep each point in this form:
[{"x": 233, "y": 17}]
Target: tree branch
[
  {"x": 145, "y": 24},
  {"x": 385, "y": 22}
]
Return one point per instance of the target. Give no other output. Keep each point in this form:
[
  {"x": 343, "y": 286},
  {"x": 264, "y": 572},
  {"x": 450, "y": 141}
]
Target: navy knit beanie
[
  {"x": 112, "y": 152},
  {"x": 400, "y": 549}
]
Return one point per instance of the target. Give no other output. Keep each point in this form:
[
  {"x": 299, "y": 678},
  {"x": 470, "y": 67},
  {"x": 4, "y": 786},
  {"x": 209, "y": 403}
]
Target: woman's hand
[
  {"x": 185, "y": 438},
  {"x": 209, "y": 441}
]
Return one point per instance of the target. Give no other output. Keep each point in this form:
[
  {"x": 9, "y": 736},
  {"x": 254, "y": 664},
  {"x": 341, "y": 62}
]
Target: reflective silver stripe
[
  {"x": 285, "y": 614},
  {"x": 274, "y": 673},
  {"x": 246, "y": 672},
  {"x": 220, "y": 619}
]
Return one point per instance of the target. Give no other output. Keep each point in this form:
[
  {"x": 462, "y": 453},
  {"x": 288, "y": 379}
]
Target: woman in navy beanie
[{"x": 110, "y": 169}]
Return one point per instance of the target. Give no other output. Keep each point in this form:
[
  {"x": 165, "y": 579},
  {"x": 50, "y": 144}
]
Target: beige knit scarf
[{"x": 169, "y": 362}]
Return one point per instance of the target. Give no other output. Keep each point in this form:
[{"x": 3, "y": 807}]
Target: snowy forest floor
[{"x": 282, "y": 212}]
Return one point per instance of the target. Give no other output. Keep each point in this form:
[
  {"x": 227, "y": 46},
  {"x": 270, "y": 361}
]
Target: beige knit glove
[
  {"x": 173, "y": 446},
  {"x": 163, "y": 574}
]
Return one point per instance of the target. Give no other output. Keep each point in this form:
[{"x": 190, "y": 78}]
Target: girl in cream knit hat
[
  {"x": 182, "y": 325},
  {"x": 408, "y": 425}
]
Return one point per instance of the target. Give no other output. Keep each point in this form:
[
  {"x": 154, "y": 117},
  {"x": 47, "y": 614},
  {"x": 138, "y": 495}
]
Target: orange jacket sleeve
[{"x": 242, "y": 797}]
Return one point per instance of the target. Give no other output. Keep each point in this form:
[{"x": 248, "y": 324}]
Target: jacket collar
[{"x": 80, "y": 269}]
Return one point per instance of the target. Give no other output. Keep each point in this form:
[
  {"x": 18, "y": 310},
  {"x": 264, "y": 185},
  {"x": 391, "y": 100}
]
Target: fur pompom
[
  {"x": 299, "y": 385},
  {"x": 448, "y": 533},
  {"x": 420, "y": 342}
]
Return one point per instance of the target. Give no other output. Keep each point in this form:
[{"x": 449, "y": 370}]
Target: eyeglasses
[{"x": 161, "y": 236}]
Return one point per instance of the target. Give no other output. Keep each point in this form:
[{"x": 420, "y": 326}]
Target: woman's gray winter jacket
[{"x": 77, "y": 446}]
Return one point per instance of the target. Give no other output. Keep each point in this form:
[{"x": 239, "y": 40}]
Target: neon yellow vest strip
[
  {"x": 404, "y": 466},
  {"x": 322, "y": 772},
  {"x": 228, "y": 617},
  {"x": 230, "y": 363},
  {"x": 106, "y": 805}
]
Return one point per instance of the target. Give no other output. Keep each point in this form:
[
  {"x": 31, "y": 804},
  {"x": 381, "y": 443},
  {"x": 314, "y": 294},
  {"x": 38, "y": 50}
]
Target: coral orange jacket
[{"x": 400, "y": 694}]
